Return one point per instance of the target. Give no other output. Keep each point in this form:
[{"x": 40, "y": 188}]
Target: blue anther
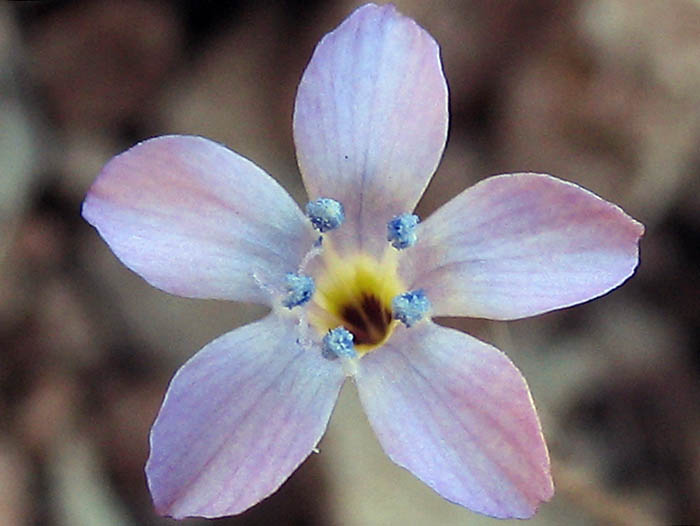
[
  {"x": 337, "y": 343},
  {"x": 325, "y": 213},
  {"x": 410, "y": 307},
  {"x": 401, "y": 231},
  {"x": 300, "y": 288}
]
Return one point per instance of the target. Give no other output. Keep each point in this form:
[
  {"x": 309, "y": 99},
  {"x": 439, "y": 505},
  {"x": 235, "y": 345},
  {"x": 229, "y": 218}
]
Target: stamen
[
  {"x": 272, "y": 291},
  {"x": 401, "y": 231},
  {"x": 325, "y": 213},
  {"x": 315, "y": 250},
  {"x": 338, "y": 343},
  {"x": 410, "y": 307},
  {"x": 300, "y": 288}
]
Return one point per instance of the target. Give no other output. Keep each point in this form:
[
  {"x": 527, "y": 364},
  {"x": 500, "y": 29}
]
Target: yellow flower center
[{"x": 356, "y": 292}]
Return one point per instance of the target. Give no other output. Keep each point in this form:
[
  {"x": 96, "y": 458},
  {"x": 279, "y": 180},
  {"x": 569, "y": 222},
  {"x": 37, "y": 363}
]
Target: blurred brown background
[{"x": 605, "y": 93}]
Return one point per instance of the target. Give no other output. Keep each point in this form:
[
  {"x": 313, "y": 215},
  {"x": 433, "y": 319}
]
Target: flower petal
[
  {"x": 370, "y": 120},
  {"x": 457, "y": 413},
  {"x": 518, "y": 245},
  {"x": 239, "y": 417},
  {"x": 196, "y": 219}
]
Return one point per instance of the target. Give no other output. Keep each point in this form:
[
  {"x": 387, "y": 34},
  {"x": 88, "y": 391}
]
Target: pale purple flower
[{"x": 352, "y": 288}]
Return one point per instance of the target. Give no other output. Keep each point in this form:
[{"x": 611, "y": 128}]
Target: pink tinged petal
[
  {"x": 195, "y": 219},
  {"x": 370, "y": 120},
  {"x": 238, "y": 418},
  {"x": 458, "y": 415},
  {"x": 518, "y": 245}
]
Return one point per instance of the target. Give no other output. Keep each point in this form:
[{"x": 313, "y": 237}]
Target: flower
[{"x": 353, "y": 284}]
